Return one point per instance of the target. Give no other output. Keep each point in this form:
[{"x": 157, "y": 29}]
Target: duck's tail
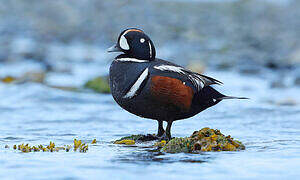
[
  {"x": 210, "y": 97},
  {"x": 212, "y": 93},
  {"x": 230, "y": 97}
]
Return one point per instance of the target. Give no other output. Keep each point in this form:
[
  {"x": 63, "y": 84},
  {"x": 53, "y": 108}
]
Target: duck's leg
[
  {"x": 168, "y": 130},
  {"x": 166, "y": 134},
  {"x": 161, "y": 130}
]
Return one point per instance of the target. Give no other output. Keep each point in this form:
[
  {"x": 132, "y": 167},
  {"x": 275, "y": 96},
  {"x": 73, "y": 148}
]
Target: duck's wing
[
  {"x": 199, "y": 81},
  {"x": 200, "y": 77}
]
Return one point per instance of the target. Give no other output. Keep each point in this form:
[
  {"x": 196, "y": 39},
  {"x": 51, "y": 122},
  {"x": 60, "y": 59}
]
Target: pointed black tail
[
  {"x": 209, "y": 97},
  {"x": 214, "y": 94},
  {"x": 231, "y": 97}
]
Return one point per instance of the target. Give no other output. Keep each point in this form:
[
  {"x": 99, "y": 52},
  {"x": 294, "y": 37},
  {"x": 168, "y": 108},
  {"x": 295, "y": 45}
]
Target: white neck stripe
[
  {"x": 132, "y": 60},
  {"x": 136, "y": 86},
  {"x": 150, "y": 49}
]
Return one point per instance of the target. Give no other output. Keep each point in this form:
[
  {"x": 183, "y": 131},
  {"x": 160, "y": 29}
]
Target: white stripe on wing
[{"x": 194, "y": 78}]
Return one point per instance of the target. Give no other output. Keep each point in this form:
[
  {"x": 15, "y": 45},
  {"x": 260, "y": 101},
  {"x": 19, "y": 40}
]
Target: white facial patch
[
  {"x": 136, "y": 86},
  {"x": 123, "y": 43},
  {"x": 142, "y": 40}
]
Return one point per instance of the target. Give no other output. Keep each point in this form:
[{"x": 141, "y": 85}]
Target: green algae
[
  {"x": 99, "y": 84},
  {"x": 203, "y": 140},
  {"x": 78, "y": 145},
  {"x": 125, "y": 141},
  {"x": 177, "y": 145},
  {"x": 132, "y": 139}
]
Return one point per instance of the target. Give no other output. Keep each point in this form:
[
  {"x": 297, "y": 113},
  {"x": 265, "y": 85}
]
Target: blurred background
[
  {"x": 53, "y": 84},
  {"x": 246, "y": 35}
]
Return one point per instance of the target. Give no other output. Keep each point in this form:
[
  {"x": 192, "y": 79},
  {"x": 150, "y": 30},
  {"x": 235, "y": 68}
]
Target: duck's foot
[
  {"x": 164, "y": 137},
  {"x": 152, "y": 137}
]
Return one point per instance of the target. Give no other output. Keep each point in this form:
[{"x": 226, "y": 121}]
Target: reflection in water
[{"x": 149, "y": 155}]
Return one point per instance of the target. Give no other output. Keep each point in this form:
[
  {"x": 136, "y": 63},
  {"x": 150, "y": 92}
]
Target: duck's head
[{"x": 134, "y": 43}]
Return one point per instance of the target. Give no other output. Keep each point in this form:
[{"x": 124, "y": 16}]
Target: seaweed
[
  {"x": 99, "y": 84},
  {"x": 129, "y": 140},
  {"x": 132, "y": 137},
  {"x": 51, "y": 147},
  {"x": 177, "y": 145},
  {"x": 125, "y": 141},
  {"x": 203, "y": 140},
  {"x": 160, "y": 144},
  {"x": 94, "y": 141}
]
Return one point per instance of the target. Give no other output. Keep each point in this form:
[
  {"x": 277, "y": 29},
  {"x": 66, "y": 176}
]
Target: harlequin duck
[{"x": 156, "y": 89}]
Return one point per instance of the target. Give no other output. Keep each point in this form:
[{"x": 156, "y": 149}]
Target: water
[{"x": 36, "y": 114}]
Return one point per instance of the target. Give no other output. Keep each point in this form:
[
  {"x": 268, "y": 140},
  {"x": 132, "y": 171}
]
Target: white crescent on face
[{"x": 123, "y": 43}]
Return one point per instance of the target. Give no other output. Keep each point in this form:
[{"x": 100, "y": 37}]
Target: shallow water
[{"x": 36, "y": 114}]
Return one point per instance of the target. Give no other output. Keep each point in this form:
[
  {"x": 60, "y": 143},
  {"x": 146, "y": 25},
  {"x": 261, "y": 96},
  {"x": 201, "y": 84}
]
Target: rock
[
  {"x": 8, "y": 79},
  {"x": 177, "y": 145},
  {"x": 99, "y": 84},
  {"x": 272, "y": 65},
  {"x": 278, "y": 84},
  {"x": 224, "y": 65},
  {"x": 137, "y": 138},
  {"x": 249, "y": 71},
  {"x": 65, "y": 88},
  {"x": 277, "y": 65},
  {"x": 37, "y": 77},
  {"x": 294, "y": 57},
  {"x": 287, "y": 102},
  {"x": 160, "y": 144},
  {"x": 283, "y": 102},
  {"x": 125, "y": 141},
  {"x": 205, "y": 139},
  {"x": 249, "y": 68},
  {"x": 297, "y": 81}
]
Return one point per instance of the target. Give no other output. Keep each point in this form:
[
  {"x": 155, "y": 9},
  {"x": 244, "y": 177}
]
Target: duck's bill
[{"x": 114, "y": 48}]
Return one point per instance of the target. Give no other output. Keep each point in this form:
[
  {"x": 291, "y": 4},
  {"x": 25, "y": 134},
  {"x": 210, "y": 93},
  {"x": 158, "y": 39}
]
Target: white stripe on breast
[
  {"x": 136, "y": 86},
  {"x": 132, "y": 60}
]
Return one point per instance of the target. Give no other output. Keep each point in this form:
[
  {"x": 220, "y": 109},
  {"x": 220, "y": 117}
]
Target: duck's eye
[{"x": 142, "y": 40}]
